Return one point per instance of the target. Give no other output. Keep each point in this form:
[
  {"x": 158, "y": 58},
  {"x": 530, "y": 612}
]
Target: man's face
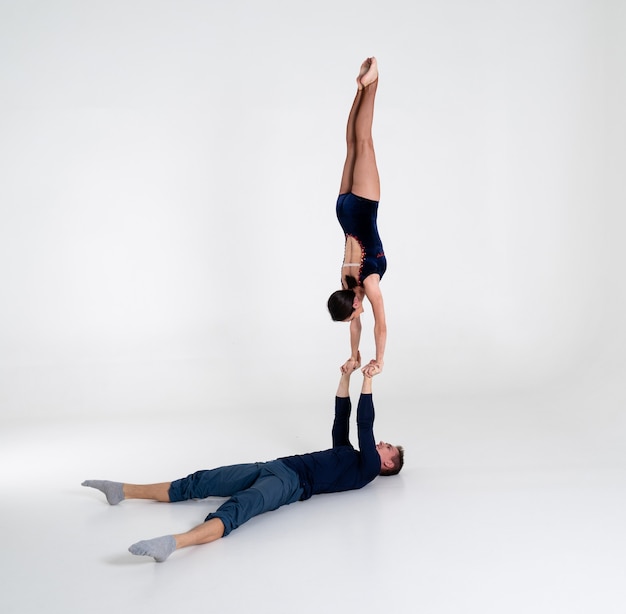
[{"x": 387, "y": 452}]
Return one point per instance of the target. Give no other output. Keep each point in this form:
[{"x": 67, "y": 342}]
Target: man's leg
[
  {"x": 277, "y": 485},
  {"x": 116, "y": 492},
  {"x": 160, "y": 548},
  {"x": 154, "y": 492},
  {"x": 220, "y": 482}
]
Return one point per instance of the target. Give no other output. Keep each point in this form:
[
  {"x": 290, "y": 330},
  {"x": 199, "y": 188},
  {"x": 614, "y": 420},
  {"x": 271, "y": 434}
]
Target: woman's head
[{"x": 341, "y": 305}]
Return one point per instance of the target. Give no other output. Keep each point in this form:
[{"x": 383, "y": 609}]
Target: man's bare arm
[
  {"x": 366, "y": 387},
  {"x": 343, "y": 390}
]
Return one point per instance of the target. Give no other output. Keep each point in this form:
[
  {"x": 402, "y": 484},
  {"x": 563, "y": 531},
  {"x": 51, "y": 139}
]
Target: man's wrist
[{"x": 367, "y": 385}]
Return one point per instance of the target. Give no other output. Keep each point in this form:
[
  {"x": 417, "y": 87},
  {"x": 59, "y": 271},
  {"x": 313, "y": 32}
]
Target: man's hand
[
  {"x": 352, "y": 364},
  {"x": 343, "y": 390},
  {"x": 372, "y": 368}
]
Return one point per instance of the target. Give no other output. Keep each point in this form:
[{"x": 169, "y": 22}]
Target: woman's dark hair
[{"x": 341, "y": 305}]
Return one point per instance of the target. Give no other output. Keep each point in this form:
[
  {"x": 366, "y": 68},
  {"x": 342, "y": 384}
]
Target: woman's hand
[
  {"x": 352, "y": 364},
  {"x": 372, "y": 368}
]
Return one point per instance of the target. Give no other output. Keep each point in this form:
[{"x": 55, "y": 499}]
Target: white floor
[{"x": 505, "y": 505}]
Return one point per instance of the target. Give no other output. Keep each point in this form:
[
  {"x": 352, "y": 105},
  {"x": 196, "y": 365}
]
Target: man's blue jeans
[{"x": 253, "y": 488}]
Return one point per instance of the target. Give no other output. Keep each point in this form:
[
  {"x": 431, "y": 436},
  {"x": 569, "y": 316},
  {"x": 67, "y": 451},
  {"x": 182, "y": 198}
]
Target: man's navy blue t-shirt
[{"x": 341, "y": 467}]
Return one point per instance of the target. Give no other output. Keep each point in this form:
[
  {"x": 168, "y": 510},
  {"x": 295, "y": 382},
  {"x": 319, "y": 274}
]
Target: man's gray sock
[
  {"x": 114, "y": 491},
  {"x": 159, "y": 547}
]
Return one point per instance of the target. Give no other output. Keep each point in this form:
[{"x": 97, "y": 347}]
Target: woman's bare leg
[
  {"x": 348, "y": 167},
  {"x": 365, "y": 179},
  {"x": 360, "y": 173}
]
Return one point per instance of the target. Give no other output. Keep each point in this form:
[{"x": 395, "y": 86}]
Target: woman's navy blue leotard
[{"x": 357, "y": 216}]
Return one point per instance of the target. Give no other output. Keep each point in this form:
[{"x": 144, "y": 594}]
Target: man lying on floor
[{"x": 254, "y": 488}]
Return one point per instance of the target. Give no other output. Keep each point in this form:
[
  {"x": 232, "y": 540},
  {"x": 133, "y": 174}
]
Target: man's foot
[
  {"x": 158, "y": 548},
  {"x": 114, "y": 491},
  {"x": 368, "y": 73}
]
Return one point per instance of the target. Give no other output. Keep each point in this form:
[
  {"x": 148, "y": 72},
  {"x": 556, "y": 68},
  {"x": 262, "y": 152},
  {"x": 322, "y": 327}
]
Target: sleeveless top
[{"x": 357, "y": 216}]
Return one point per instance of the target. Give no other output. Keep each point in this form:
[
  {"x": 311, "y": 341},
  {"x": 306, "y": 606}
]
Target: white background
[{"x": 168, "y": 173}]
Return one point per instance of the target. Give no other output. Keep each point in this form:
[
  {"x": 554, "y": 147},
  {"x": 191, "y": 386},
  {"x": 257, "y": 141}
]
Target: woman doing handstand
[{"x": 357, "y": 206}]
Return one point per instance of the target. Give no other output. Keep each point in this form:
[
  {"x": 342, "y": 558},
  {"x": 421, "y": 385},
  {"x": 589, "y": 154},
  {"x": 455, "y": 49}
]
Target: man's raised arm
[
  {"x": 343, "y": 406},
  {"x": 365, "y": 422}
]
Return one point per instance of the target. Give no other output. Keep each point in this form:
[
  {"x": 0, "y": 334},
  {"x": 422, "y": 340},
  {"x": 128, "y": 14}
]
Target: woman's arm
[
  {"x": 375, "y": 297},
  {"x": 355, "y": 339}
]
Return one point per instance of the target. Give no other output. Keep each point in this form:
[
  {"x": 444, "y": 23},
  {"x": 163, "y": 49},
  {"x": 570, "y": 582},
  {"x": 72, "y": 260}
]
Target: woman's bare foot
[{"x": 368, "y": 73}]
